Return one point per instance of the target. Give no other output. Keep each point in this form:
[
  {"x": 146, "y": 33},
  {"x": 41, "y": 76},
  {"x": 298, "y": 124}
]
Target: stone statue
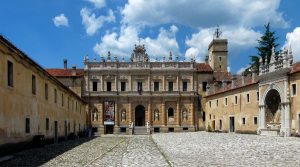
[
  {"x": 184, "y": 114},
  {"x": 123, "y": 115},
  {"x": 156, "y": 114}
]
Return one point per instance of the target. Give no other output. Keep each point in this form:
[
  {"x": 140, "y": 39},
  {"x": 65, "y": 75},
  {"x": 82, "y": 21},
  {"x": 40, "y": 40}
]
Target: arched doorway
[
  {"x": 139, "y": 115},
  {"x": 272, "y": 103}
]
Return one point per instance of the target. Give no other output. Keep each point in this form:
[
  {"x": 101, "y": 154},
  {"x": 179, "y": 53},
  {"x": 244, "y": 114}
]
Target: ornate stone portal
[{"x": 274, "y": 96}]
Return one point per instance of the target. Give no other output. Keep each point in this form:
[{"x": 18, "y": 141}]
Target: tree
[{"x": 264, "y": 48}]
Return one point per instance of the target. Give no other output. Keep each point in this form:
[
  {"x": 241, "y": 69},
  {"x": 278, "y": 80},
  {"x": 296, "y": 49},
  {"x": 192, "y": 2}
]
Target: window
[
  {"x": 235, "y": 99},
  {"x": 248, "y": 97},
  {"x": 46, "y": 91},
  {"x": 210, "y": 116},
  {"x": 220, "y": 123},
  {"x": 257, "y": 96},
  {"x": 27, "y": 125},
  {"x": 220, "y": 58},
  {"x": 203, "y": 116},
  {"x": 123, "y": 86},
  {"x": 62, "y": 99},
  {"x": 94, "y": 86},
  {"x": 225, "y": 101},
  {"x": 108, "y": 86},
  {"x": 140, "y": 86},
  {"x": 170, "y": 112},
  {"x": 209, "y": 104},
  {"x": 170, "y": 86},
  {"x": 156, "y": 86},
  {"x": 55, "y": 96},
  {"x": 294, "y": 89},
  {"x": 255, "y": 120},
  {"x": 244, "y": 121},
  {"x": 33, "y": 84},
  {"x": 217, "y": 103},
  {"x": 204, "y": 85},
  {"x": 47, "y": 123},
  {"x": 184, "y": 86},
  {"x": 10, "y": 74},
  {"x": 220, "y": 66}
]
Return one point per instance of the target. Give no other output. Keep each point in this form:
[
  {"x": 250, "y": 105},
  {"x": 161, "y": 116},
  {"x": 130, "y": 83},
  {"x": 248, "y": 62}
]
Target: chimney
[
  {"x": 74, "y": 70},
  {"x": 243, "y": 79},
  {"x": 65, "y": 64},
  {"x": 254, "y": 77},
  {"x": 233, "y": 80}
]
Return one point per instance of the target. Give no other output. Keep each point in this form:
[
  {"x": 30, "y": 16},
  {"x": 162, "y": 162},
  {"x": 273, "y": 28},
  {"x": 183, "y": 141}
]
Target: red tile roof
[
  {"x": 203, "y": 68},
  {"x": 222, "y": 76},
  {"x": 238, "y": 83},
  {"x": 60, "y": 72},
  {"x": 296, "y": 67}
]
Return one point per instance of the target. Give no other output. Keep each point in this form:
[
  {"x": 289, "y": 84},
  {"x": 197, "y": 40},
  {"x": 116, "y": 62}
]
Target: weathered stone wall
[
  {"x": 17, "y": 102},
  {"x": 241, "y": 109}
]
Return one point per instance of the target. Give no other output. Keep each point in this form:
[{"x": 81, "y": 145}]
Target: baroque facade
[{"x": 123, "y": 96}]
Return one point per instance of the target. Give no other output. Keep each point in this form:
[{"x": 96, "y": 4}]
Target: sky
[{"x": 50, "y": 31}]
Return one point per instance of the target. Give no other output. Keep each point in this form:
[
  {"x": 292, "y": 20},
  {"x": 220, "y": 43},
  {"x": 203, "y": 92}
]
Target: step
[{"x": 140, "y": 130}]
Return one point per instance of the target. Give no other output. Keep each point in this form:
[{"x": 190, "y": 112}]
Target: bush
[{"x": 208, "y": 128}]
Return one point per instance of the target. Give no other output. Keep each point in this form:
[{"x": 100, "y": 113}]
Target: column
[
  {"x": 282, "y": 119},
  {"x": 193, "y": 113},
  {"x": 287, "y": 121},
  {"x": 163, "y": 116},
  {"x": 178, "y": 113},
  {"x": 129, "y": 112},
  {"x": 116, "y": 113},
  {"x": 149, "y": 113},
  {"x": 262, "y": 117}
]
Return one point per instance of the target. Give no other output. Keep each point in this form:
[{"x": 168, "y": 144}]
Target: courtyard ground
[{"x": 167, "y": 149}]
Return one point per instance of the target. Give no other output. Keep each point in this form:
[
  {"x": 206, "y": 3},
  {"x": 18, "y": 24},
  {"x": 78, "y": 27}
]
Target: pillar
[
  {"x": 262, "y": 117},
  {"x": 287, "y": 121},
  {"x": 149, "y": 113},
  {"x": 178, "y": 113},
  {"x": 116, "y": 127},
  {"x": 163, "y": 112}
]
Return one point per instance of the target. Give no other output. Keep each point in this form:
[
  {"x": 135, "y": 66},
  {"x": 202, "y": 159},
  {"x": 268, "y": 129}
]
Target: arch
[
  {"x": 170, "y": 112},
  {"x": 272, "y": 106},
  {"x": 270, "y": 87},
  {"x": 139, "y": 115}
]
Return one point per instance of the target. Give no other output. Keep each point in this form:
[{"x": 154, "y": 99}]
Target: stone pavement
[
  {"x": 226, "y": 149},
  {"x": 168, "y": 149}
]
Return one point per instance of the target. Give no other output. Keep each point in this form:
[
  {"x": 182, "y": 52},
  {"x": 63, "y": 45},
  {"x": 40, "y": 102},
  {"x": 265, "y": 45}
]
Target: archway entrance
[
  {"x": 272, "y": 102},
  {"x": 139, "y": 115}
]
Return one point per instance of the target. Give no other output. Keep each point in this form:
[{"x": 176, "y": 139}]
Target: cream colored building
[
  {"x": 142, "y": 96},
  {"x": 33, "y": 102},
  {"x": 267, "y": 104}
]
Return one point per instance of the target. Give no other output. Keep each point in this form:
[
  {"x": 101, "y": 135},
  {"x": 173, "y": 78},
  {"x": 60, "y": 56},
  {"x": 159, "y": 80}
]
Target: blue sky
[{"x": 49, "y": 31}]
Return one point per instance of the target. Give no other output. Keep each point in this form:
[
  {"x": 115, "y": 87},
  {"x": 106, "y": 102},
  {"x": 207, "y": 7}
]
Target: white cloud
[
  {"x": 93, "y": 23},
  {"x": 241, "y": 70},
  {"x": 61, "y": 20},
  {"x": 239, "y": 38},
  {"x": 122, "y": 44},
  {"x": 97, "y": 3},
  {"x": 206, "y": 13},
  {"x": 293, "y": 40}
]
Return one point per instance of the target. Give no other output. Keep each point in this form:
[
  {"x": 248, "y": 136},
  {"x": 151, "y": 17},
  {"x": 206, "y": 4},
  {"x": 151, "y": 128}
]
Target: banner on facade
[{"x": 109, "y": 113}]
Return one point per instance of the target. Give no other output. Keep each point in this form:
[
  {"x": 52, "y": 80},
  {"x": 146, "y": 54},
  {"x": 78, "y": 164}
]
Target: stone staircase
[{"x": 140, "y": 130}]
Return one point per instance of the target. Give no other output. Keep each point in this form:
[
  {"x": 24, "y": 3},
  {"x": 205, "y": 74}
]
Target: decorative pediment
[
  {"x": 123, "y": 77},
  {"x": 171, "y": 77},
  {"x": 109, "y": 77}
]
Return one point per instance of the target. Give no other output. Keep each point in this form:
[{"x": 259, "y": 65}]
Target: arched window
[{"x": 170, "y": 112}]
